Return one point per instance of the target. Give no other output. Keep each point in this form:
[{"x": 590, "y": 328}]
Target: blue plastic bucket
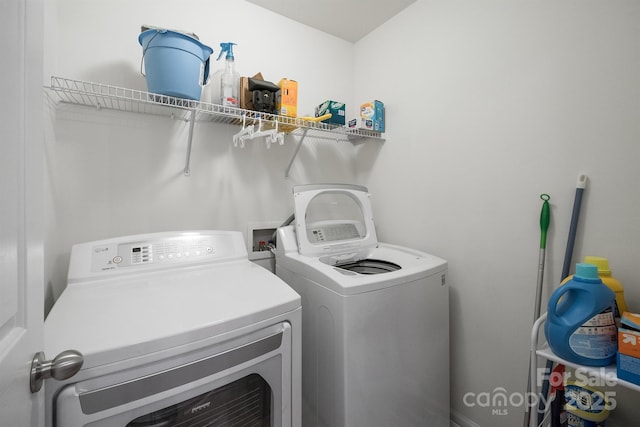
[{"x": 176, "y": 64}]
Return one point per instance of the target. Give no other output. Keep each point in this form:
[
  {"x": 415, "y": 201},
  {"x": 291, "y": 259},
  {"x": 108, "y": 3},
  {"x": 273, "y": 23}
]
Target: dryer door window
[{"x": 244, "y": 402}]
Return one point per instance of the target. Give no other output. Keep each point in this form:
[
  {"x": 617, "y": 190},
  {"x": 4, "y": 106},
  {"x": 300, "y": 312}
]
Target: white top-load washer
[
  {"x": 175, "y": 329},
  {"x": 375, "y": 316}
]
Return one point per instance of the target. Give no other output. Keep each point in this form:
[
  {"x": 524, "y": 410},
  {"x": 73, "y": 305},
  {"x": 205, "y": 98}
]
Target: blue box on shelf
[{"x": 337, "y": 110}]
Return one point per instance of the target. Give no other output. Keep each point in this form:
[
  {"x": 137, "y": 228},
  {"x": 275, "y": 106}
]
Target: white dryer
[
  {"x": 375, "y": 340},
  {"x": 176, "y": 329}
]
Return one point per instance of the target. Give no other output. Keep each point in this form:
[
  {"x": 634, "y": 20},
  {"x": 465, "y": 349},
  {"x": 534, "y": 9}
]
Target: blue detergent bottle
[{"x": 580, "y": 324}]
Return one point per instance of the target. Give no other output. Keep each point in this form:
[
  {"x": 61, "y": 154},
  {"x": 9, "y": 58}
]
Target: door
[{"x": 21, "y": 199}]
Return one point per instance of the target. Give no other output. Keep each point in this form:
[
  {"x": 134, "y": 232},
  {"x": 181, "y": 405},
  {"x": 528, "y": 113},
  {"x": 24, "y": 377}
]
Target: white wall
[
  {"x": 114, "y": 173},
  {"x": 495, "y": 103},
  {"x": 489, "y": 104}
]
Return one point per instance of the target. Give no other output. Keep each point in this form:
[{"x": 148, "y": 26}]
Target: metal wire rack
[{"x": 100, "y": 95}]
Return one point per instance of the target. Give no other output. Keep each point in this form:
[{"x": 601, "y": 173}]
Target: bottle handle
[{"x": 555, "y": 298}]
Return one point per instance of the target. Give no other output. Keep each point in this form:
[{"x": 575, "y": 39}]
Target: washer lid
[{"x": 333, "y": 218}]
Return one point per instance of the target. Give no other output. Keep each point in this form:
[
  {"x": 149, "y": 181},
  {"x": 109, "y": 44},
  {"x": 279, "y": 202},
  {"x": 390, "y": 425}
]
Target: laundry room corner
[{"x": 489, "y": 106}]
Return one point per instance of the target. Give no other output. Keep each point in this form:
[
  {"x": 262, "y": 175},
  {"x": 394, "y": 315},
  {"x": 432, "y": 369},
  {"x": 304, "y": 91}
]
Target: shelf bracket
[
  {"x": 295, "y": 153},
  {"x": 192, "y": 122}
]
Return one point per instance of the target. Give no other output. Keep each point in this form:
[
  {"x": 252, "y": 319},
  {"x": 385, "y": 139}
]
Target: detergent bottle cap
[
  {"x": 228, "y": 48},
  {"x": 601, "y": 263},
  {"x": 587, "y": 273}
]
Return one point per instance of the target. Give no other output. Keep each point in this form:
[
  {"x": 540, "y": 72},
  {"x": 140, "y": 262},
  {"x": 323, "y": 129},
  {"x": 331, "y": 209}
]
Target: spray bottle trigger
[
  {"x": 223, "y": 49},
  {"x": 228, "y": 48}
]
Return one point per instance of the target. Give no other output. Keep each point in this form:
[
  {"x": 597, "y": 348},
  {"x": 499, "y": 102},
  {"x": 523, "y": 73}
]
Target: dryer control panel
[
  {"x": 153, "y": 251},
  {"x": 156, "y": 251}
]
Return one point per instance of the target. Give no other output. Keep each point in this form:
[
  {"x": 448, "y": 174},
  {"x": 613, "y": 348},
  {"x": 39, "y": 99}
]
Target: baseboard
[{"x": 459, "y": 420}]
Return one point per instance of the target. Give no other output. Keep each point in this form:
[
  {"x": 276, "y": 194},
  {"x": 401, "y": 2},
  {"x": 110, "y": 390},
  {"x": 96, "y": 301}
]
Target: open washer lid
[{"x": 333, "y": 219}]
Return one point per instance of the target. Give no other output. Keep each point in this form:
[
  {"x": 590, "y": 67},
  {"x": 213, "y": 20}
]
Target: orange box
[
  {"x": 629, "y": 335},
  {"x": 629, "y": 342},
  {"x": 287, "y": 98},
  {"x": 628, "y": 357}
]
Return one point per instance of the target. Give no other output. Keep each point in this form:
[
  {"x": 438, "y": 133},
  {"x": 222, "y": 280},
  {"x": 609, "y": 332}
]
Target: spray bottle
[{"x": 230, "y": 79}]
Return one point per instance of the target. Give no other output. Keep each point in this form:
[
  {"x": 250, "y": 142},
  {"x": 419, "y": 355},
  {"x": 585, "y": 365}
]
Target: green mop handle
[
  {"x": 544, "y": 226},
  {"x": 544, "y": 220}
]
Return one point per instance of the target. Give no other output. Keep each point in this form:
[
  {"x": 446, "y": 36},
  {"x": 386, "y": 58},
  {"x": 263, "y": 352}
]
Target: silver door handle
[{"x": 63, "y": 366}]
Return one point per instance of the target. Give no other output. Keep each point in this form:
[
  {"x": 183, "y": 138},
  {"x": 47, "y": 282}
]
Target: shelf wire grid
[{"x": 100, "y": 95}]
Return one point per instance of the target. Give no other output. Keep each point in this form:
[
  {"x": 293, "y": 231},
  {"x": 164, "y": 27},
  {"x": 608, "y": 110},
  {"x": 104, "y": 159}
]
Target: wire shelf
[{"x": 101, "y": 95}]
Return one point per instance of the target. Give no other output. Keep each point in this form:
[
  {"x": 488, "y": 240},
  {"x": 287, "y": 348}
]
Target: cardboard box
[
  {"x": 246, "y": 99},
  {"x": 628, "y": 358},
  {"x": 373, "y": 111},
  {"x": 287, "y": 100},
  {"x": 337, "y": 110},
  {"x": 361, "y": 123},
  {"x": 266, "y": 94}
]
